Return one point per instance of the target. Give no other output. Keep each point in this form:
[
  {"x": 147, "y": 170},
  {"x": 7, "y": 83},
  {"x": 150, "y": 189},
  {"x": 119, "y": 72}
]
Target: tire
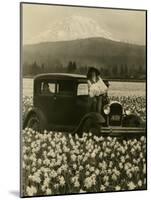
[
  {"x": 90, "y": 126},
  {"x": 34, "y": 123}
]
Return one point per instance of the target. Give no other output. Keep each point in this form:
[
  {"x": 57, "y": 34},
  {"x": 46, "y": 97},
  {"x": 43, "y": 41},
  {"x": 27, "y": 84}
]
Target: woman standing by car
[{"x": 97, "y": 89}]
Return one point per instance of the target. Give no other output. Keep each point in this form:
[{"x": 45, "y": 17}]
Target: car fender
[
  {"x": 131, "y": 120},
  {"x": 97, "y": 118},
  {"x": 39, "y": 113}
]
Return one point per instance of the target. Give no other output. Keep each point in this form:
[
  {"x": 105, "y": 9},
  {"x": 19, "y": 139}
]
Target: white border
[{"x": 9, "y": 101}]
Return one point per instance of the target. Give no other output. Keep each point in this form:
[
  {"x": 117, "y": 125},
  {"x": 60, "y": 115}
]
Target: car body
[{"x": 61, "y": 102}]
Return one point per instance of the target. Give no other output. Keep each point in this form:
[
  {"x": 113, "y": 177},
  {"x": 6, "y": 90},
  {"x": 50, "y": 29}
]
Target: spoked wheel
[
  {"x": 34, "y": 123},
  {"x": 90, "y": 126}
]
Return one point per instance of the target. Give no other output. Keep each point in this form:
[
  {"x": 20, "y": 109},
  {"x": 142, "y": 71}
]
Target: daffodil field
[{"x": 62, "y": 163}]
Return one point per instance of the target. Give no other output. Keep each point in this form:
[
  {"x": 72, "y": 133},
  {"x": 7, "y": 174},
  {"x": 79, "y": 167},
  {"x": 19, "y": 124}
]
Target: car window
[
  {"x": 47, "y": 88},
  {"x": 82, "y": 89},
  {"x": 65, "y": 87}
]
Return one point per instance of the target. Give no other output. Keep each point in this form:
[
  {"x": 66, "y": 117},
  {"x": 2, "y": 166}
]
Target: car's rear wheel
[
  {"x": 89, "y": 125},
  {"x": 34, "y": 123}
]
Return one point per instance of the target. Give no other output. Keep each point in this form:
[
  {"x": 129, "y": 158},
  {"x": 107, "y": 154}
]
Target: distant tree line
[{"x": 111, "y": 71}]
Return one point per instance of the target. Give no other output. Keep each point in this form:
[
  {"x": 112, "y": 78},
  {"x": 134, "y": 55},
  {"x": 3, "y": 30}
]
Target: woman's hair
[{"x": 91, "y": 70}]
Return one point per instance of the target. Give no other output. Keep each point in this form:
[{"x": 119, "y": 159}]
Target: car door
[
  {"x": 82, "y": 101},
  {"x": 46, "y": 99},
  {"x": 64, "y": 104}
]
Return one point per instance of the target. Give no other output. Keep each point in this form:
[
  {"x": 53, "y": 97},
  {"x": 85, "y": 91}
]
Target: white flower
[
  {"x": 43, "y": 188},
  {"x": 109, "y": 138},
  {"x": 43, "y": 145},
  {"x": 97, "y": 171},
  {"x": 140, "y": 183},
  {"x": 93, "y": 154},
  {"x": 101, "y": 155},
  {"x": 61, "y": 181},
  {"x": 46, "y": 161},
  {"x": 142, "y": 139},
  {"x": 101, "y": 138},
  {"x": 117, "y": 172},
  {"x": 48, "y": 191},
  {"x": 114, "y": 177},
  {"x": 117, "y": 188},
  {"x": 90, "y": 134},
  {"x": 25, "y": 157},
  {"x": 110, "y": 164},
  {"x": 136, "y": 169},
  {"x": 92, "y": 169},
  {"x": 105, "y": 178},
  {"x": 39, "y": 161},
  {"x": 96, "y": 138},
  {"x": 87, "y": 173},
  {"x": 144, "y": 168},
  {"x": 82, "y": 191},
  {"x": 77, "y": 184},
  {"x": 112, "y": 155},
  {"x": 105, "y": 154},
  {"x": 56, "y": 186},
  {"x": 46, "y": 182},
  {"x": 64, "y": 167},
  {"x": 73, "y": 157},
  {"x": 122, "y": 159},
  {"x": 74, "y": 166},
  {"x": 106, "y": 183},
  {"x": 132, "y": 150},
  {"x": 109, "y": 171},
  {"x": 53, "y": 174},
  {"x": 129, "y": 175},
  {"x": 88, "y": 182},
  {"x": 131, "y": 185},
  {"x": 33, "y": 169},
  {"x": 120, "y": 165},
  {"x": 80, "y": 168},
  {"x": 102, "y": 188},
  {"x": 36, "y": 178},
  {"x": 31, "y": 190},
  {"x": 59, "y": 170}
]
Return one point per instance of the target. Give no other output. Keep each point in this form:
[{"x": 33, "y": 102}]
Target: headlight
[{"x": 106, "y": 109}]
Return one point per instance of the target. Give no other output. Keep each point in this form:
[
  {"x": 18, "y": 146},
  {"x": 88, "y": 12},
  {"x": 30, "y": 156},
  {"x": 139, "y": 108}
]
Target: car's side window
[
  {"x": 82, "y": 89},
  {"x": 65, "y": 88},
  {"x": 47, "y": 88}
]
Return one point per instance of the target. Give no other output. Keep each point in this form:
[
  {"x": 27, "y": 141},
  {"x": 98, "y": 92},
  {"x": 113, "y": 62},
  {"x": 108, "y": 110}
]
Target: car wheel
[
  {"x": 34, "y": 123},
  {"x": 90, "y": 126}
]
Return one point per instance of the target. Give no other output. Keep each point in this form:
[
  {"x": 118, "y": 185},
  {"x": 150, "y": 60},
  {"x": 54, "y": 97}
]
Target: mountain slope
[{"x": 90, "y": 51}]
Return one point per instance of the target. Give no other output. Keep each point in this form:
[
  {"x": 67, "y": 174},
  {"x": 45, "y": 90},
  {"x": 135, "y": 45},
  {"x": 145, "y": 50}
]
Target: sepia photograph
[{"x": 83, "y": 78}]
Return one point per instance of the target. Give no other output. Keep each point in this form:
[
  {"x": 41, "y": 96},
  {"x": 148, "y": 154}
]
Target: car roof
[{"x": 60, "y": 76}]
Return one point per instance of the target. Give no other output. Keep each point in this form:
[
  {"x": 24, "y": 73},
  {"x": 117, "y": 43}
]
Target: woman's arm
[
  {"x": 91, "y": 89},
  {"x": 89, "y": 83},
  {"x": 101, "y": 85}
]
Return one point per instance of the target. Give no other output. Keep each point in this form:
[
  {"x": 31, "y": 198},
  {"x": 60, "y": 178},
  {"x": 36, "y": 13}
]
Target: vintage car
[{"x": 61, "y": 102}]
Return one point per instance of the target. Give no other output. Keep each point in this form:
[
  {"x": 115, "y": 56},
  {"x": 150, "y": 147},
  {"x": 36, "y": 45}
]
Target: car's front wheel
[{"x": 89, "y": 125}]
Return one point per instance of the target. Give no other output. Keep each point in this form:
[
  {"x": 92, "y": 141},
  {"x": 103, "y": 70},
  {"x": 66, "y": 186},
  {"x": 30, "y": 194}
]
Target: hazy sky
[{"x": 125, "y": 25}]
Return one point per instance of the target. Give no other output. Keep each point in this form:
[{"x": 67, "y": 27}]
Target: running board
[{"x": 122, "y": 131}]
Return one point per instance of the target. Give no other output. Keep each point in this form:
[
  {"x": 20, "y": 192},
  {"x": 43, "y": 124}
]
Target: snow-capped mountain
[{"x": 72, "y": 28}]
